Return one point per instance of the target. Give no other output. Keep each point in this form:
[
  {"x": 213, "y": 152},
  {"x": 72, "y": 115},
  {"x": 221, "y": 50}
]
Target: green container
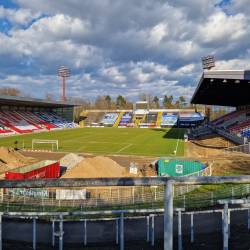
[{"x": 174, "y": 167}]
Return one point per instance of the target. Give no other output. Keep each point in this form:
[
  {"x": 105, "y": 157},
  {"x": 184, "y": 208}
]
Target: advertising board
[
  {"x": 110, "y": 118},
  {"x": 30, "y": 193},
  {"x": 169, "y": 119}
]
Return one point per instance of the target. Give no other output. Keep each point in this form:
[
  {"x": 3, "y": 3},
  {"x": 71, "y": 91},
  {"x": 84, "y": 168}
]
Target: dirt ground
[
  {"x": 207, "y": 145},
  {"x": 240, "y": 239},
  {"x": 124, "y": 161}
]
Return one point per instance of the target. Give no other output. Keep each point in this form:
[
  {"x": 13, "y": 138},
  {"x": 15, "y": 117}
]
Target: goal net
[{"x": 52, "y": 142}]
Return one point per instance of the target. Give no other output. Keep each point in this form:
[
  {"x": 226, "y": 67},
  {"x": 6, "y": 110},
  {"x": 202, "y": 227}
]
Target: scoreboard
[{"x": 140, "y": 107}]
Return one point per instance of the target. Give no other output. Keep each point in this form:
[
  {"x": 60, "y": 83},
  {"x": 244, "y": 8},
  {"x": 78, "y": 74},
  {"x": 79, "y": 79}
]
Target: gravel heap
[{"x": 70, "y": 160}]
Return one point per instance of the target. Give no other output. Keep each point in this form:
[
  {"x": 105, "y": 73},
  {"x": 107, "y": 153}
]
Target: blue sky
[{"x": 118, "y": 47}]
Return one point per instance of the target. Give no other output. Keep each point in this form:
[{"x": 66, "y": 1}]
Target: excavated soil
[
  {"x": 207, "y": 145},
  {"x": 95, "y": 167},
  {"x": 101, "y": 166},
  {"x": 11, "y": 159}
]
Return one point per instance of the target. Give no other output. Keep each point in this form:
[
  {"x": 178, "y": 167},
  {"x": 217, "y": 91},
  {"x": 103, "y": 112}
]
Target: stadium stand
[
  {"x": 93, "y": 117},
  {"x": 17, "y": 123},
  {"x": 229, "y": 116},
  {"x": 236, "y": 120},
  {"x": 151, "y": 118},
  {"x": 109, "y": 119},
  {"x": 54, "y": 119},
  {"x": 202, "y": 131},
  {"x": 35, "y": 119},
  {"x": 240, "y": 127}
]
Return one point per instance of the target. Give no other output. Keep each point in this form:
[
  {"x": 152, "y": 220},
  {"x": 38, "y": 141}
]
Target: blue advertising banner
[
  {"x": 168, "y": 119},
  {"x": 125, "y": 118}
]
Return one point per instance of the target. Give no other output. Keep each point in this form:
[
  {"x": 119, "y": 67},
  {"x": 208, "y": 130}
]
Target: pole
[
  {"x": 53, "y": 232},
  {"x": 63, "y": 88},
  {"x": 121, "y": 233},
  {"x": 117, "y": 231},
  {"x": 1, "y": 232},
  {"x": 179, "y": 231},
  {"x": 85, "y": 232},
  {"x": 153, "y": 230},
  {"x": 225, "y": 226},
  {"x": 147, "y": 228},
  {"x": 168, "y": 217},
  {"x": 192, "y": 228},
  {"x": 34, "y": 233},
  {"x": 61, "y": 233}
]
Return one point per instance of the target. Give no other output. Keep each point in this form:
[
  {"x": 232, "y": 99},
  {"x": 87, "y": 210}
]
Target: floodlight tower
[
  {"x": 64, "y": 72},
  {"x": 208, "y": 62}
]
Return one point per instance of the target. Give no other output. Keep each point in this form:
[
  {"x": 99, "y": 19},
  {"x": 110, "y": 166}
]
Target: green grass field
[{"x": 115, "y": 141}]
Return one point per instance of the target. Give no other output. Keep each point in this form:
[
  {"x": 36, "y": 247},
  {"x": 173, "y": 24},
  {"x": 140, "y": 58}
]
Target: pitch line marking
[
  {"x": 124, "y": 148},
  {"x": 178, "y": 141},
  {"x": 80, "y": 149}
]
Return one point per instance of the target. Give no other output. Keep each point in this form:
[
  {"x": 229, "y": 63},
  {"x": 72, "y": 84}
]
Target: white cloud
[{"x": 120, "y": 47}]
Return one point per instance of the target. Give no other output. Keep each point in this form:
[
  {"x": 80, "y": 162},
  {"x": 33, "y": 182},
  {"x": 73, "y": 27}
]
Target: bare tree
[
  {"x": 13, "y": 92},
  {"x": 50, "y": 97}
]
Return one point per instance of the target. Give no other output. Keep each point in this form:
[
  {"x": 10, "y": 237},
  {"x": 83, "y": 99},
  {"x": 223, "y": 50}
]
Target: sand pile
[
  {"x": 97, "y": 167},
  {"x": 11, "y": 159},
  {"x": 70, "y": 160},
  {"x": 9, "y": 155}
]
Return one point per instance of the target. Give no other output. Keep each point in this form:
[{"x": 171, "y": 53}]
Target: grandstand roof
[
  {"x": 223, "y": 88},
  {"x": 33, "y": 102}
]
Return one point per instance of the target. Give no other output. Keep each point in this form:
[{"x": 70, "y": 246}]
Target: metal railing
[{"x": 145, "y": 181}]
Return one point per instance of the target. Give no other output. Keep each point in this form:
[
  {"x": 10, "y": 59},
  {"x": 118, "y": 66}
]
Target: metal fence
[{"x": 146, "y": 200}]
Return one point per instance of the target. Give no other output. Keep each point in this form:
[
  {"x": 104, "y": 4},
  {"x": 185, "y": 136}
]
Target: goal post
[{"x": 45, "y": 141}]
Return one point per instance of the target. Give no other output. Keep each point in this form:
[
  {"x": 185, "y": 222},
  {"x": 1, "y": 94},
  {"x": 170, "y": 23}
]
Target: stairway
[
  {"x": 158, "y": 122},
  {"x": 118, "y": 120},
  {"x": 81, "y": 118}
]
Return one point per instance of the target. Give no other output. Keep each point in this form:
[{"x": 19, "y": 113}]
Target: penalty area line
[{"x": 124, "y": 148}]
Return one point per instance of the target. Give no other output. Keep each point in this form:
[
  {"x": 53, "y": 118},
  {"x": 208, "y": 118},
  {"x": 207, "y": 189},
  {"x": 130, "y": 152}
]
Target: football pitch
[{"x": 106, "y": 141}]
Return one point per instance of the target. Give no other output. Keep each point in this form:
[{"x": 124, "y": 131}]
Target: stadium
[{"x": 39, "y": 135}]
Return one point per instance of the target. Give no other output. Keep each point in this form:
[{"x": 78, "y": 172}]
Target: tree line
[{"x": 106, "y": 102}]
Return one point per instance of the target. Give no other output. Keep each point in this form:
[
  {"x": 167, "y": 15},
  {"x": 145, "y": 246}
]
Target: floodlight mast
[
  {"x": 208, "y": 62},
  {"x": 64, "y": 72}
]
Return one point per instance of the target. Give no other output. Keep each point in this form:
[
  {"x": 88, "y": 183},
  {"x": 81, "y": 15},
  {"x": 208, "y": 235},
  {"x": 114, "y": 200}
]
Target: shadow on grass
[{"x": 171, "y": 133}]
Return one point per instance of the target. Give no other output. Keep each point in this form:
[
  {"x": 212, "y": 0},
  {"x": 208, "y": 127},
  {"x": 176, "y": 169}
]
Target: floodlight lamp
[
  {"x": 225, "y": 80},
  {"x": 64, "y": 71},
  {"x": 211, "y": 80},
  {"x": 208, "y": 62},
  {"x": 237, "y": 81}
]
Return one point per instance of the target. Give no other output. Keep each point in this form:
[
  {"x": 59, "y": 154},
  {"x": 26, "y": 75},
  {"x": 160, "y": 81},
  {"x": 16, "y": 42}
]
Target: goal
[{"x": 53, "y": 142}]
